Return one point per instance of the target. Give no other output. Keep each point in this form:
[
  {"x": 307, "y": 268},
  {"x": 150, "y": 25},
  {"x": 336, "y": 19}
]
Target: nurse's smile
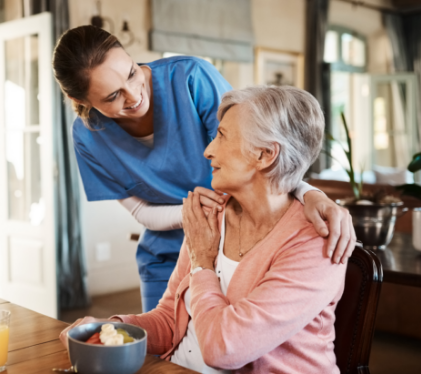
[{"x": 137, "y": 105}]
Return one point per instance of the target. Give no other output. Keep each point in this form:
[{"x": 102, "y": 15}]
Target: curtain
[
  {"x": 71, "y": 266},
  {"x": 317, "y": 73},
  {"x": 404, "y": 34},
  {"x": 395, "y": 31},
  {"x": 219, "y": 28},
  {"x": 401, "y": 157},
  {"x": 412, "y": 30}
]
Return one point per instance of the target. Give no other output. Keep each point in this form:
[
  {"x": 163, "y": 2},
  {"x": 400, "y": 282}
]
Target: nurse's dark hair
[{"x": 77, "y": 52}]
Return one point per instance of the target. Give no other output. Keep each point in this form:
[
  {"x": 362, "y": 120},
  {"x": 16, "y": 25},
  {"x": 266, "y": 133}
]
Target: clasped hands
[{"x": 201, "y": 231}]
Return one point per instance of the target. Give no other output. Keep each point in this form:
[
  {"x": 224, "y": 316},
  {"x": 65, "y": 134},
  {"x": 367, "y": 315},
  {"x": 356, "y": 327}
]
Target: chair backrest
[{"x": 356, "y": 312}]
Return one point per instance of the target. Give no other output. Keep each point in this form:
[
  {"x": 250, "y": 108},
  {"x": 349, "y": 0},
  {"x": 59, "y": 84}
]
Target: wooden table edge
[{"x": 397, "y": 277}]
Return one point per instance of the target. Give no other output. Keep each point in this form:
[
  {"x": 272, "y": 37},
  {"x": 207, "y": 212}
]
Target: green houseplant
[
  {"x": 412, "y": 189},
  {"x": 373, "y": 214}
]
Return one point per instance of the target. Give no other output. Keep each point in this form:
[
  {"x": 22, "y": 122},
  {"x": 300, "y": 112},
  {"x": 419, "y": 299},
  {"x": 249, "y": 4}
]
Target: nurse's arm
[
  {"x": 329, "y": 220},
  {"x": 156, "y": 217},
  {"x": 159, "y": 217}
]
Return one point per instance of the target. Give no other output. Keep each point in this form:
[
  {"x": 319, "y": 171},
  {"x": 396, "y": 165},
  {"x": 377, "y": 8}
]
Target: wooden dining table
[
  {"x": 35, "y": 348},
  {"x": 401, "y": 261}
]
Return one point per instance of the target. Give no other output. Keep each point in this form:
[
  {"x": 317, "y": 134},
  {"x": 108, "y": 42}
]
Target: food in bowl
[
  {"x": 109, "y": 335},
  {"x": 89, "y": 358}
]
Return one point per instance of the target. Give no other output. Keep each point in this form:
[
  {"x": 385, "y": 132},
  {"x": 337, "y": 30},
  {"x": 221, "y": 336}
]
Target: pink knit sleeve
[
  {"x": 159, "y": 322},
  {"x": 297, "y": 287}
]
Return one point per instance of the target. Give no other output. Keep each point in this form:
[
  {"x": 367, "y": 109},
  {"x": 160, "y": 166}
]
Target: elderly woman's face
[{"x": 232, "y": 170}]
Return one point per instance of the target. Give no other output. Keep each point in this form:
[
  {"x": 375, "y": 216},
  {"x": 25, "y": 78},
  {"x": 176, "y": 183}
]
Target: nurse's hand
[
  {"x": 202, "y": 232},
  {"x": 339, "y": 230},
  {"x": 210, "y": 199},
  {"x": 82, "y": 321}
]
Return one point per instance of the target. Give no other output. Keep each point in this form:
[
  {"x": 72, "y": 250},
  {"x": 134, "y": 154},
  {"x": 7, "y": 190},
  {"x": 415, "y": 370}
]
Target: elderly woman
[{"x": 252, "y": 291}]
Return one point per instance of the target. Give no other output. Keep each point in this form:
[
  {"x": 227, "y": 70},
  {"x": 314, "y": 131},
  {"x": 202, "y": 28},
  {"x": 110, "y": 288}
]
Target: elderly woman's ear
[{"x": 267, "y": 156}]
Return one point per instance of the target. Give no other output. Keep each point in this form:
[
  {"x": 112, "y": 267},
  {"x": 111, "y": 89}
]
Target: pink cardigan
[{"x": 278, "y": 314}]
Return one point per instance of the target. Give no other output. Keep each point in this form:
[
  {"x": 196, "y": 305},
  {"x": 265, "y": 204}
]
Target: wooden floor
[
  {"x": 391, "y": 353},
  {"x": 104, "y": 306}
]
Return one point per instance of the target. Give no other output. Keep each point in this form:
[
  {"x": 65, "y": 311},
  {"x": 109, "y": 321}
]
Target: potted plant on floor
[{"x": 373, "y": 214}]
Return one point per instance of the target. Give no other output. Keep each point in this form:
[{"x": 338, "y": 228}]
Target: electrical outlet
[{"x": 103, "y": 252}]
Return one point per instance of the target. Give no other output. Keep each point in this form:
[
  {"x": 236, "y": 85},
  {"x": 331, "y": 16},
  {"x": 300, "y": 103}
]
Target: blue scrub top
[{"x": 114, "y": 165}]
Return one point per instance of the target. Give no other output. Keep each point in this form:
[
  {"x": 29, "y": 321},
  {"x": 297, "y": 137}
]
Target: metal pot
[{"x": 374, "y": 224}]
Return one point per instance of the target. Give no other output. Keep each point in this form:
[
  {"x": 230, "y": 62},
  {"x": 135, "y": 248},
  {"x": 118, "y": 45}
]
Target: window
[
  {"x": 345, "y": 50},
  {"x": 380, "y": 110}
]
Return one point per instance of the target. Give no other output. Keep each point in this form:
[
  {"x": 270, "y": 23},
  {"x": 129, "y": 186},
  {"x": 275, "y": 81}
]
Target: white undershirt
[
  {"x": 188, "y": 352},
  {"x": 160, "y": 217},
  {"x": 146, "y": 140}
]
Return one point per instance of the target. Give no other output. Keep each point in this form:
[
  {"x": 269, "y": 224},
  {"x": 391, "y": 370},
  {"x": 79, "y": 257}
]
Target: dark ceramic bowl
[{"x": 100, "y": 359}]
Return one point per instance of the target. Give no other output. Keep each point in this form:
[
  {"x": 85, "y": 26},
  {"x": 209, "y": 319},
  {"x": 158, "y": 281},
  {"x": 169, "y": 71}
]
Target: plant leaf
[
  {"x": 330, "y": 137},
  {"x": 415, "y": 164},
  {"x": 354, "y": 185}
]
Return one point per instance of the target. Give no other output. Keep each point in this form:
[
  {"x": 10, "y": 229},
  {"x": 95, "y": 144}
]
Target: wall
[
  {"x": 277, "y": 24},
  {"x": 10, "y": 10},
  {"x": 137, "y": 12},
  {"x": 110, "y": 256}
]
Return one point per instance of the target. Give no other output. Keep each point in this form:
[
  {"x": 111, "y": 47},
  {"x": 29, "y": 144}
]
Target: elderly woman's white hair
[{"x": 285, "y": 115}]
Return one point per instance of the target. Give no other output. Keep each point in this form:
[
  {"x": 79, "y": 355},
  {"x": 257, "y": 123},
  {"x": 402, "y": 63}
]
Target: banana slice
[{"x": 117, "y": 339}]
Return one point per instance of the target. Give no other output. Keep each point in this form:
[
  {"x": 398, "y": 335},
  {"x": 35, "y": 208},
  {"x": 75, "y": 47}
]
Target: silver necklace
[{"x": 240, "y": 253}]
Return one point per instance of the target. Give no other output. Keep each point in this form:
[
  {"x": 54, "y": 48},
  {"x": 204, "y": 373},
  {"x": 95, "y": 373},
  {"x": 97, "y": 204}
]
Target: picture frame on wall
[{"x": 277, "y": 67}]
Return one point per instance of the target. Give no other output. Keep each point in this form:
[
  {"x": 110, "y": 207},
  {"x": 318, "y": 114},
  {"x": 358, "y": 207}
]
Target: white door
[{"x": 27, "y": 235}]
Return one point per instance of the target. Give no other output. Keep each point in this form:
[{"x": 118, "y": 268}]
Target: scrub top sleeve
[
  {"x": 98, "y": 184},
  {"x": 207, "y": 86}
]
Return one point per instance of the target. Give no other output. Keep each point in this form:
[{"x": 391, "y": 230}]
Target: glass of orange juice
[{"x": 4, "y": 337}]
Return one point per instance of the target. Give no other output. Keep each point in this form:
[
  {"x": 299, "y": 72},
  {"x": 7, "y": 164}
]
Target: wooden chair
[{"x": 356, "y": 312}]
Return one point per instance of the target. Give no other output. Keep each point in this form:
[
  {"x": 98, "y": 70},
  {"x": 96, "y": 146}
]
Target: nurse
[{"x": 139, "y": 138}]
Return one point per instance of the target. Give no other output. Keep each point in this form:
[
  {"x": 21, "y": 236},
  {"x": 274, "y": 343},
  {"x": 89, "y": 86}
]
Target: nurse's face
[
  {"x": 232, "y": 169},
  {"x": 118, "y": 88}
]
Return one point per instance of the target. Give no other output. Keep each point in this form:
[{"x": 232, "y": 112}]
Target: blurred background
[{"x": 64, "y": 257}]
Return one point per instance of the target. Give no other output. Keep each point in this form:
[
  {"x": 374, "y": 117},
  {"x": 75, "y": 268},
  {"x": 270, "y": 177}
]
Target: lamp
[
  {"x": 98, "y": 20},
  {"x": 127, "y": 33}
]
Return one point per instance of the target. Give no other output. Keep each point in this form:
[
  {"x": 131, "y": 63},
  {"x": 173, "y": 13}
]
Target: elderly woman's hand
[
  {"x": 202, "y": 233},
  {"x": 341, "y": 242},
  {"x": 82, "y": 321},
  {"x": 210, "y": 199}
]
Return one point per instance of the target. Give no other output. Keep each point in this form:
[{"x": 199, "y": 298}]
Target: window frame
[{"x": 340, "y": 65}]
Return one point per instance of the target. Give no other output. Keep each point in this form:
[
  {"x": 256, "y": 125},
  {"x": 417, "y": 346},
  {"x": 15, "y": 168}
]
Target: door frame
[{"x": 42, "y": 297}]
